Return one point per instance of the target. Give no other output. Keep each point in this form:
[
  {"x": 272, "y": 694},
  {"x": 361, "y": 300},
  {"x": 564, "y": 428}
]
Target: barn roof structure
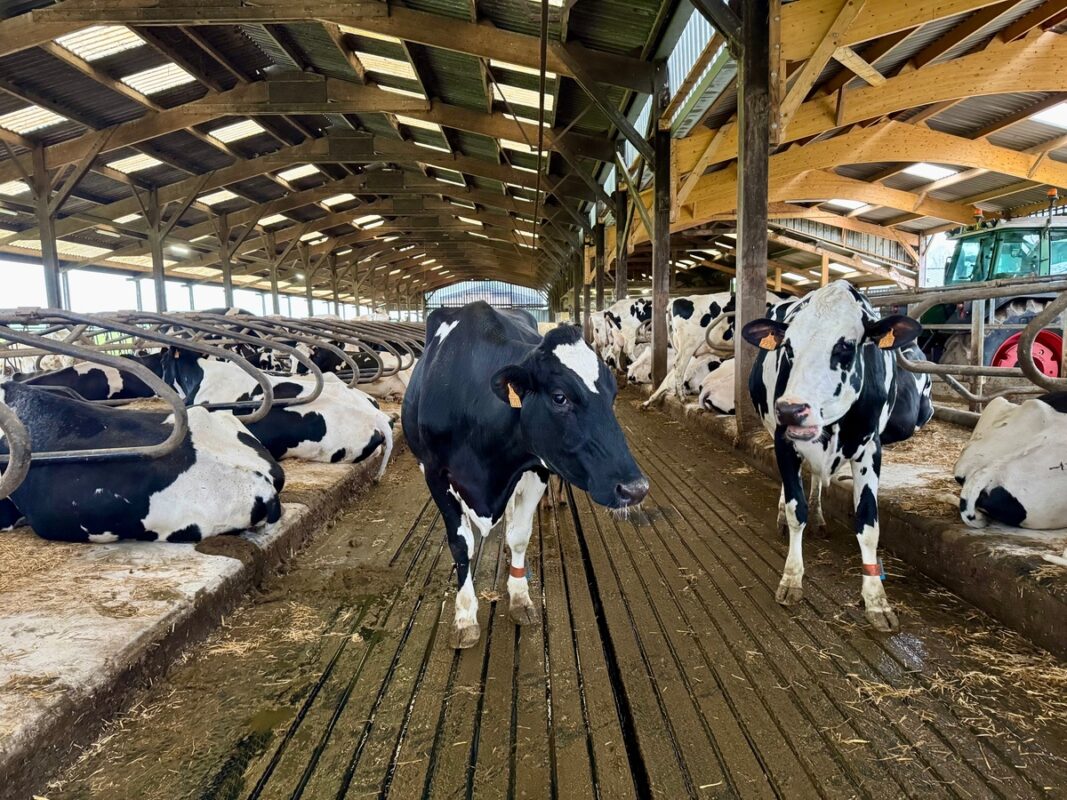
[{"x": 365, "y": 148}]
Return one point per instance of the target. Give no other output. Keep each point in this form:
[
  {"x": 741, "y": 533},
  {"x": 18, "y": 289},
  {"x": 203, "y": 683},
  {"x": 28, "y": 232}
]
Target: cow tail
[{"x": 385, "y": 428}]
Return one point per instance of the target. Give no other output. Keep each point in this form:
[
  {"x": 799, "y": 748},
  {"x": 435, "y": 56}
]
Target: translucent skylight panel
[
  {"x": 158, "y": 79},
  {"x": 403, "y": 92},
  {"x": 521, "y": 147},
  {"x": 337, "y": 199},
  {"x": 236, "y": 131},
  {"x": 418, "y": 123},
  {"x": 793, "y": 277},
  {"x": 296, "y": 173},
  {"x": 29, "y": 119},
  {"x": 221, "y": 196},
  {"x": 127, "y": 218},
  {"x": 851, "y": 205},
  {"x": 100, "y": 41},
  {"x": 369, "y": 34},
  {"x": 493, "y": 62},
  {"x": 516, "y": 95},
  {"x": 453, "y": 178},
  {"x": 273, "y": 219},
  {"x": 428, "y": 146},
  {"x": 14, "y": 188},
  {"x": 135, "y": 163},
  {"x": 931, "y": 172},
  {"x": 1055, "y": 116},
  {"x": 307, "y": 237},
  {"x": 840, "y": 269},
  {"x": 365, "y": 220},
  {"x": 384, "y": 65},
  {"x": 470, "y": 221}
]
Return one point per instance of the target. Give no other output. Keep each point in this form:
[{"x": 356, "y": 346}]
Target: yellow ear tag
[
  {"x": 887, "y": 341},
  {"x": 768, "y": 342},
  {"x": 513, "y": 397}
]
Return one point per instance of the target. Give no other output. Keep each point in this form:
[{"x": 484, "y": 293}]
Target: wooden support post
[
  {"x": 598, "y": 240},
  {"x": 305, "y": 260},
  {"x": 275, "y": 302},
  {"x": 752, "y": 188},
  {"x": 661, "y": 227},
  {"x": 353, "y": 279},
  {"x": 222, "y": 226},
  {"x": 587, "y": 324},
  {"x": 46, "y": 222},
  {"x": 332, "y": 260},
  {"x": 155, "y": 247},
  {"x": 825, "y": 278},
  {"x": 576, "y": 300},
  {"x": 621, "y": 274}
]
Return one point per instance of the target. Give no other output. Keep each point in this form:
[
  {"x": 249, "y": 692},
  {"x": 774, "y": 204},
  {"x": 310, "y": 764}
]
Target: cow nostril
[
  {"x": 793, "y": 413},
  {"x": 633, "y": 492}
]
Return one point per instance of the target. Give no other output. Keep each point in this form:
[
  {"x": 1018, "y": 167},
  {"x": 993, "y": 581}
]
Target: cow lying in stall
[
  {"x": 341, "y": 425},
  {"x": 219, "y": 480},
  {"x": 98, "y": 381},
  {"x": 640, "y": 369},
  {"x": 386, "y": 387},
  {"x": 622, "y": 321},
  {"x": 492, "y": 409},
  {"x": 717, "y": 393},
  {"x": 828, "y": 389},
  {"x": 1012, "y": 469}
]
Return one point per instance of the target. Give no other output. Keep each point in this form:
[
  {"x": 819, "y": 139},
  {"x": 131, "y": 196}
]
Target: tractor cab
[
  {"x": 1032, "y": 247},
  {"x": 1005, "y": 249}
]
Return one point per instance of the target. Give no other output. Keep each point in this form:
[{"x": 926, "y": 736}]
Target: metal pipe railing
[{"x": 20, "y": 453}]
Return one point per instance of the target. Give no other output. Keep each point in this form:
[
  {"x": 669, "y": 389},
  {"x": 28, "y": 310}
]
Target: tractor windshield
[
  {"x": 1018, "y": 254},
  {"x": 970, "y": 259}
]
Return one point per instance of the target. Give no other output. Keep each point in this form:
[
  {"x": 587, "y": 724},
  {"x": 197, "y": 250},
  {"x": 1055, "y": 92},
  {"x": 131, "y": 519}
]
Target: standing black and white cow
[
  {"x": 99, "y": 381},
  {"x": 491, "y": 410},
  {"x": 828, "y": 389},
  {"x": 341, "y": 425},
  {"x": 218, "y": 480}
]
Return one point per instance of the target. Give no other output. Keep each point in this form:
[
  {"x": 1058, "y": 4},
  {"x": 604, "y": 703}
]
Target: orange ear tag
[
  {"x": 768, "y": 342},
  {"x": 887, "y": 341},
  {"x": 513, "y": 397}
]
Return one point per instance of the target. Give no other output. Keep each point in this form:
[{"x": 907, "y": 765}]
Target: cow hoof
[
  {"x": 883, "y": 619},
  {"x": 789, "y": 595},
  {"x": 465, "y": 637},
  {"x": 523, "y": 613}
]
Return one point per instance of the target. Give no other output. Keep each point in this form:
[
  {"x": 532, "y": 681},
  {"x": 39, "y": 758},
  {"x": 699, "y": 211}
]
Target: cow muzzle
[
  {"x": 632, "y": 493},
  {"x": 796, "y": 417}
]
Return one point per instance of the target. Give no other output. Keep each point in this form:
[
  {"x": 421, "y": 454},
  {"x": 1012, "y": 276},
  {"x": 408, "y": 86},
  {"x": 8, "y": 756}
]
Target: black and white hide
[
  {"x": 1014, "y": 468},
  {"x": 828, "y": 389},
  {"x": 493, "y": 408},
  {"x": 717, "y": 393},
  {"x": 623, "y": 320},
  {"x": 341, "y": 425},
  {"x": 98, "y": 381},
  {"x": 219, "y": 480}
]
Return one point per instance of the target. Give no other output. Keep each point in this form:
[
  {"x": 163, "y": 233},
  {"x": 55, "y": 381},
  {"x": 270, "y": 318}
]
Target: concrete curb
[
  {"x": 91, "y": 665},
  {"x": 995, "y": 569}
]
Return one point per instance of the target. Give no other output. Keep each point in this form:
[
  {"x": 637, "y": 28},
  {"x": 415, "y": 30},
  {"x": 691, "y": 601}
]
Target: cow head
[
  {"x": 182, "y": 370},
  {"x": 822, "y": 343},
  {"x": 563, "y": 394}
]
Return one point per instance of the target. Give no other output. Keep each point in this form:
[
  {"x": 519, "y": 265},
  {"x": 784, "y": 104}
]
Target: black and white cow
[
  {"x": 219, "y": 479},
  {"x": 717, "y": 393},
  {"x": 98, "y": 381},
  {"x": 623, "y": 320},
  {"x": 827, "y": 387},
  {"x": 1014, "y": 468},
  {"x": 341, "y": 425},
  {"x": 491, "y": 410}
]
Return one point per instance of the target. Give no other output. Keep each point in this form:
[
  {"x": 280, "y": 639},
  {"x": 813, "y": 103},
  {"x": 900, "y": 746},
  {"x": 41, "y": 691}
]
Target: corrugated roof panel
[
  {"x": 1026, "y": 134},
  {"x": 319, "y": 50},
  {"x": 978, "y": 40},
  {"x": 973, "y": 186},
  {"x": 976, "y": 113},
  {"x": 616, "y": 26},
  {"x": 453, "y": 77},
  {"x": 268, "y": 45},
  {"x": 457, "y": 9}
]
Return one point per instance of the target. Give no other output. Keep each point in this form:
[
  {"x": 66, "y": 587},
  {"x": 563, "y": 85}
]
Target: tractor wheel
[{"x": 1002, "y": 347}]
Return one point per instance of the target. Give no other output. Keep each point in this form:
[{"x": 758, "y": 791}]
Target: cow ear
[
  {"x": 766, "y": 334},
  {"x": 512, "y": 384},
  {"x": 893, "y": 332}
]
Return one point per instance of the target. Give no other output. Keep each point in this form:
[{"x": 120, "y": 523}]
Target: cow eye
[
  {"x": 559, "y": 399},
  {"x": 844, "y": 350}
]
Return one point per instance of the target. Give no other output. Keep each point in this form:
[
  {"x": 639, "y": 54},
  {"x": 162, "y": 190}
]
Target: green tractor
[{"x": 995, "y": 251}]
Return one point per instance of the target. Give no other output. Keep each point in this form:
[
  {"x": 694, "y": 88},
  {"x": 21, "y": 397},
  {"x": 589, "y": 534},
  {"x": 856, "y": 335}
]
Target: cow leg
[
  {"x": 817, "y": 522},
  {"x": 783, "y": 525},
  {"x": 465, "y": 630},
  {"x": 790, "y": 590},
  {"x": 662, "y": 389},
  {"x": 554, "y": 494},
  {"x": 866, "y": 468},
  {"x": 521, "y": 609}
]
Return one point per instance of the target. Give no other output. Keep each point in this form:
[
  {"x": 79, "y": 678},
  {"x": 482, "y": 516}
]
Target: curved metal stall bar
[
  {"x": 178, "y": 429},
  {"x": 181, "y": 321},
  {"x": 272, "y": 327},
  {"x": 18, "y": 443},
  {"x": 109, "y": 322},
  {"x": 1026, "y": 345},
  {"x": 365, "y": 344}
]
